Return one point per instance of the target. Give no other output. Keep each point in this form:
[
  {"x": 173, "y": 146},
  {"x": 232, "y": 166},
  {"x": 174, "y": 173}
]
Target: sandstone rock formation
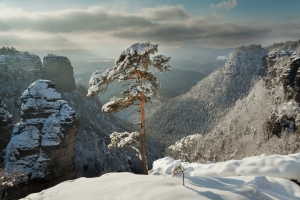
[
  {"x": 282, "y": 70},
  {"x": 294, "y": 66},
  {"x": 42, "y": 145},
  {"x": 38, "y": 71},
  {"x": 244, "y": 60},
  {"x": 3, "y": 65},
  {"x": 60, "y": 71},
  {"x": 6, "y": 126},
  {"x": 22, "y": 60}
]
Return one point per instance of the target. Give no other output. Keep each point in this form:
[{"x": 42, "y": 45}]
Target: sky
[{"x": 94, "y": 24}]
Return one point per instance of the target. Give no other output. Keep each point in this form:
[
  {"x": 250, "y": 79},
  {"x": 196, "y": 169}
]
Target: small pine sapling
[{"x": 178, "y": 169}]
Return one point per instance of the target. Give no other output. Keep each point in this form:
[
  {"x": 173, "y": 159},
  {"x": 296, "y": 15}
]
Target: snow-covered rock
[
  {"x": 42, "y": 144},
  {"x": 245, "y": 60},
  {"x": 295, "y": 57}
]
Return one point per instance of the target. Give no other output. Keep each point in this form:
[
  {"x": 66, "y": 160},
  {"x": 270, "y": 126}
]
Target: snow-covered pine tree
[{"x": 132, "y": 64}]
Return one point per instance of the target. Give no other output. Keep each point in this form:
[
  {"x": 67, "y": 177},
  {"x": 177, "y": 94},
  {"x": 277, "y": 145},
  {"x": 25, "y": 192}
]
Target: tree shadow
[{"x": 207, "y": 194}]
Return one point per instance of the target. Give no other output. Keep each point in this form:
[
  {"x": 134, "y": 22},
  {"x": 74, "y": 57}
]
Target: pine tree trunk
[
  {"x": 144, "y": 160},
  {"x": 143, "y": 129}
]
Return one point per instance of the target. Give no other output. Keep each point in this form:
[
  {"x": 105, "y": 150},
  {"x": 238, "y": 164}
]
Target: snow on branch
[
  {"x": 137, "y": 49},
  {"x": 125, "y": 140},
  {"x": 117, "y": 104},
  {"x": 132, "y": 64},
  {"x": 99, "y": 81},
  {"x": 160, "y": 62}
]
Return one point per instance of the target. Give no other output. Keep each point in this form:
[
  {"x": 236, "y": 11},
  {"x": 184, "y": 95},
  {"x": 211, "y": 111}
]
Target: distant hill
[
  {"x": 264, "y": 121},
  {"x": 199, "y": 110}
]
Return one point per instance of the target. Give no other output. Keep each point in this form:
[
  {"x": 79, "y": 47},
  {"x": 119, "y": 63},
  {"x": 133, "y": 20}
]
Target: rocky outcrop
[
  {"x": 270, "y": 59},
  {"x": 282, "y": 69},
  {"x": 244, "y": 60},
  {"x": 60, "y": 71},
  {"x": 22, "y": 60},
  {"x": 38, "y": 71},
  {"x": 266, "y": 120},
  {"x": 6, "y": 126},
  {"x": 295, "y": 69},
  {"x": 272, "y": 71},
  {"x": 3, "y": 65},
  {"x": 42, "y": 145},
  {"x": 284, "y": 117}
]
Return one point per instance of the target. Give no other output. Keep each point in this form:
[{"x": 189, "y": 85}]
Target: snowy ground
[{"x": 203, "y": 181}]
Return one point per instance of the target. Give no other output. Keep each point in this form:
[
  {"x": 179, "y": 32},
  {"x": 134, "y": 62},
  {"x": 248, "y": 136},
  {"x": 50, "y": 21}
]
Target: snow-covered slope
[
  {"x": 93, "y": 158},
  {"x": 264, "y": 121},
  {"x": 262, "y": 177},
  {"x": 117, "y": 186},
  {"x": 197, "y": 111}
]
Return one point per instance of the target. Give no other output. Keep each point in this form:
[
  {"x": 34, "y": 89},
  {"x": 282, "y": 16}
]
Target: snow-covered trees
[
  {"x": 186, "y": 148},
  {"x": 132, "y": 64}
]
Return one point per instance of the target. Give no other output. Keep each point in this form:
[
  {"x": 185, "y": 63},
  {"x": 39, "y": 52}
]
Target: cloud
[
  {"x": 290, "y": 17},
  {"x": 226, "y": 5},
  {"x": 195, "y": 30},
  {"x": 98, "y": 26},
  {"x": 33, "y": 40},
  {"x": 93, "y": 19},
  {"x": 165, "y": 13}
]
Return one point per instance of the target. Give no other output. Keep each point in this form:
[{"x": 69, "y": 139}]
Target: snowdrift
[
  {"x": 278, "y": 166},
  {"x": 257, "y": 177}
]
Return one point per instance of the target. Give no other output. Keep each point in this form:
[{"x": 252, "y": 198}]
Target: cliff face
[
  {"x": 244, "y": 61},
  {"x": 3, "y": 65},
  {"x": 38, "y": 71},
  {"x": 266, "y": 120},
  {"x": 60, "y": 71},
  {"x": 42, "y": 145},
  {"x": 286, "y": 70},
  {"x": 22, "y": 60},
  {"x": 6, "y": 126},
  {"x": 42, "y": 142}
]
